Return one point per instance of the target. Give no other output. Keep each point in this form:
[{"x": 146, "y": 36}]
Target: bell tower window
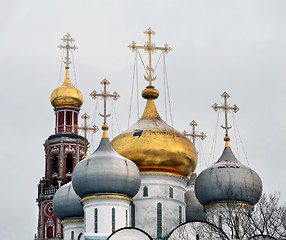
[
  {"x": 60, "y": 121},
  {"x": 55, "y": 162},
  {"x": 69, "y": 163},
  {"x": 69, "y": 118},
  {"x": 75, "y": 118}
]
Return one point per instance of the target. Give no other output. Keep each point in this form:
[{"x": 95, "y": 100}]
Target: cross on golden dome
[
  {"x": 105, "y": 95},
  {"x": 193, "y": 134},
  {"x": 225, "y": 107},
  {"x": 150, "y": 48},
  {"x": 67, "y": 40},
  {"x": 85, "y": 128}
]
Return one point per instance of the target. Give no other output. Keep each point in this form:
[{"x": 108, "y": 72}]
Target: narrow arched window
[
  {"x": 132, "y": 215},
  {"x": 220, "y": 222},
  {"x": 236, "y": 226},
  {"x": 145, "y": 191},
  {"x": 72, "y": 235},
  {"x": 113, "y": 219},
  {"x": 171, "y": 192},
  {"x": 126, "y": 216},
  {"x": 84, "y": 228},
  {"x": 197, "y": 237},
  {"x": 180, "y": 214},
  {"x": 69, "y": 163},
  {"x": 159, "y": 220},
  {"x": 95, "y": 220}
]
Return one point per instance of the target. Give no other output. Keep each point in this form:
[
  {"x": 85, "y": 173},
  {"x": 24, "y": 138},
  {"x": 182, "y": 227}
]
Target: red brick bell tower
[{"x": 64, "y": 150}]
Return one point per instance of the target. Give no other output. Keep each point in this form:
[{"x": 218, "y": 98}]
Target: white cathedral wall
[
  {"x": 158, "y": 192},
  {"x": 70, "y": 226},
  {"x": 104, "y": 207}
]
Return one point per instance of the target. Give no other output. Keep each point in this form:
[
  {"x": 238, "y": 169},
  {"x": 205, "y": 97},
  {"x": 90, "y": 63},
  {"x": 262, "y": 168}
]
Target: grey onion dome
[
  {"x": 194, "y": 210},
  {"x": 106, "y": 172},
  {"x": 228, "y": 180},
  {"x": 66, "y": 203}
]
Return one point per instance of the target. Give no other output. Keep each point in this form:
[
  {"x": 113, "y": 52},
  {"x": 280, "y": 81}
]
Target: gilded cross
[
  {"x": 150, "y": 48},
  {"x": 193, "y": 134},
  {"x": 225, "y": 107},
  {"x": 67, "y": 40},
  {"x": 105, "y": 95},
  {"x": 85, "y": 128}
]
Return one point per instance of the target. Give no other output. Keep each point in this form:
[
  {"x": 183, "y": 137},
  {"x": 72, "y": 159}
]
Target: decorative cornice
[
  {"x": 163, "y": 173},
  {"x": 229, "y": 204},
  {"x": 106, "y": 196},
  {"x": 73, "y": 220}
]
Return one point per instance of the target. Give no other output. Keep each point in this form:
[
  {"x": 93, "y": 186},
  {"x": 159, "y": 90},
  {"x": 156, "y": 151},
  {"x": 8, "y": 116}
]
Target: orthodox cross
[
  {"x": 105, "y": 95},
  {"x": 67, "y": 40},
  {"x": 85, "y": 128},
  {"x": 150, "y": 48},
  {"x": 225, "y": 107},
  {"x": 193, "y": 134}
]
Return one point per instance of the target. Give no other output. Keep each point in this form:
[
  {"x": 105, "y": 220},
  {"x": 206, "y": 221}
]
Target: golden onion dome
[
  {"x": 66, "y": 95},
  {"x": 154, "y": 145}
]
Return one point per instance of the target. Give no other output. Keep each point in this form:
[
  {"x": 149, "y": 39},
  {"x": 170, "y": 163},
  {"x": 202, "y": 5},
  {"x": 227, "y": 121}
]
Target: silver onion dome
[
  {"x": 66, "y": 203},
  {"x": 106, "y": 172},
  {"x": 194, "y": 210},
  {"x": 228, "y": 180}
]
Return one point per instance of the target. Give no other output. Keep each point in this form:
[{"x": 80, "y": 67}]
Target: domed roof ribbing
[
  {"x": 66, "y": 203},
  {"x": 228, "y": 180},
  {"x": 66, "y": 95},
  {"x": 154, "y": 145},
  {"x": 106, "y": 172}
]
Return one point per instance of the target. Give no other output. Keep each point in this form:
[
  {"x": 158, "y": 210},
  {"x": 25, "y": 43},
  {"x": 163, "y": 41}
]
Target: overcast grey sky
[{"x": 222, "y": 45}]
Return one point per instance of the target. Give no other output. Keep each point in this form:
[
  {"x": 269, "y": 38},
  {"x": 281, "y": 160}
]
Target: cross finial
[
  {"x": 225, "y": 107},
  {"x": 67, "y": 40},
  {"x": 193, "y": 134},
  {"x": 85, "y": 128},
  {"x": 104, "y": 95},
  {"x": 150, "y": 48}
]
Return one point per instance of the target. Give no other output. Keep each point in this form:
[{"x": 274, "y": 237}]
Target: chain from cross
[
  {"x": 225, "y": 107},
  {"x": 193, "y": 134},
  {"x": 105, "y": 95},
  {"x": 150, "y": 48},
  {"x": 67, "y": 40},
  {"x": 85, "y": 128}
]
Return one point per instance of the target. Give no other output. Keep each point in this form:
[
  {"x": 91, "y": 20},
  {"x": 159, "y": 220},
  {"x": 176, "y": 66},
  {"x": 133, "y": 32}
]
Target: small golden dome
[
  {"x": 66, "y": 95},
  {"x": 154, "y": 145}
]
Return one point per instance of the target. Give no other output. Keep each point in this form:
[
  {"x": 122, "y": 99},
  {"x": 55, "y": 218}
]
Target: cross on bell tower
[
  {"x": 226, "y": 107},
  {"x": 85, "y": 128},
  {"x": 193, "y": 134},
  {"x": 150, "y": 48},
  {"x": 105, "y": 95},
  {"x": 67, "y": 40}
]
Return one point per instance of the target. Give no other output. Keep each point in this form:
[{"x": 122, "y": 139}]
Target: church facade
[{"x": 142, "y": 184}]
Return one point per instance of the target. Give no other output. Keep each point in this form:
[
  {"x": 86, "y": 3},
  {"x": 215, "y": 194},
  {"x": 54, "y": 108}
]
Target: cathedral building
[{"x": 142, "y": 184}]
